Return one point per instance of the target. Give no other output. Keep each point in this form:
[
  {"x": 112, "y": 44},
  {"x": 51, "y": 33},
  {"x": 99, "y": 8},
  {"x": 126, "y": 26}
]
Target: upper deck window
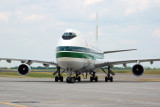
[{"x": 68, "y": 36}]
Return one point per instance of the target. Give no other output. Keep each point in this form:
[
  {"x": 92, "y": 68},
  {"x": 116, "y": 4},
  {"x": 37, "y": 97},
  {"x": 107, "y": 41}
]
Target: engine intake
[
  {"x": 137, "y": 70},
  {"x": 24, "y": 69}
]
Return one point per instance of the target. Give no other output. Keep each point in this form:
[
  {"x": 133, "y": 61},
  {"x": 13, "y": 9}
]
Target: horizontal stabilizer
[{"x": 106, "y": 52}]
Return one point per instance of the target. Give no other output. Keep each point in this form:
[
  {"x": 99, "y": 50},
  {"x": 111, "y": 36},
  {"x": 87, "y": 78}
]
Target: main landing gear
[
  {"x": 109, "y": 77},
  {"x": 59, "y": 77},
  {"x": 69, "y": 79},
  {"x": 93, "y": 78}
]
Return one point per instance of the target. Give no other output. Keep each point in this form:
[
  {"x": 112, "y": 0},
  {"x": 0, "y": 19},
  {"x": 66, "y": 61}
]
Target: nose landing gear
[{"x": 70, "y": 79}]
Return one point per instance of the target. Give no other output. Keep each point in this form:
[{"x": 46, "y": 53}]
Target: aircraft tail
[{"x": 96, "y": 39}]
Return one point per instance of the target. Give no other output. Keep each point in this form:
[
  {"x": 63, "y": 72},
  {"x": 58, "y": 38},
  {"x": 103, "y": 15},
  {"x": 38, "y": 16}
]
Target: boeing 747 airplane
[{"x": 75, "y": 56}]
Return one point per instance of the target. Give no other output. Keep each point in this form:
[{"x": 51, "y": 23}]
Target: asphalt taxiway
[{"x": 125, "y": 91}]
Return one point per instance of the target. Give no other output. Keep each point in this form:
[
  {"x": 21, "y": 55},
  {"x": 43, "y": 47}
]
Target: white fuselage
[{"x": 73, "y": 53}]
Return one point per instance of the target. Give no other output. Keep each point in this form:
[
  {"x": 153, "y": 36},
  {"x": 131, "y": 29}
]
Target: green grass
[
  {"x": 121, "y": 71},
  {"x": 129, "y": 71},
  {"x": 152, "y": 72},
  {"x": 31, "y": 75},
  {"x": 150, "y": 80}
]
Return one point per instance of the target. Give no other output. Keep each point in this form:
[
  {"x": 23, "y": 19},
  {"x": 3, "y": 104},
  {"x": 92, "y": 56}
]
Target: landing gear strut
[
  {"x": 109, "y": 77},
  {"x": 59, "y": 77},
  {"x": 70, "y": 79},
  {"x": 93, "y": 77},
  {"x": 78, "y": 77}
]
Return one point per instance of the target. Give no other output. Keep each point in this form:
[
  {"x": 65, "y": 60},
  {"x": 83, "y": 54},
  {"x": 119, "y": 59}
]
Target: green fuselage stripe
[
  {"x": 79, "y": 55},
  {"x": 75, "y": 49}
]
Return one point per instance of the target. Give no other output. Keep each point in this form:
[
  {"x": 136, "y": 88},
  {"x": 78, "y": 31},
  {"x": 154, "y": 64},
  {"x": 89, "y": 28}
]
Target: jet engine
[
  {"x": 137, "y": 70},
  {"x": 24, "y": 69}
]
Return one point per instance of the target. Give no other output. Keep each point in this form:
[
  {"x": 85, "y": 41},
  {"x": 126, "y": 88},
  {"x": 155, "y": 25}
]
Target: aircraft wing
[
  {"x": 29, "y": 62},
  {"x": 125, "y": 62}
]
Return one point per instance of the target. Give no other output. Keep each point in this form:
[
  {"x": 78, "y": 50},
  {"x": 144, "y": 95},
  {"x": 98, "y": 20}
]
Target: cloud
[
  {"x": 156, "y": 33},
  {"x": 92, "y": 16},
  {"x": 4, "y": 16},
  {"x": 91, "y": 2},
  {"x": 136, "y": 5},
  {"x": 101, "y": 13},
  {"x": 19, "y": 13},
  {"x": 31, "y": 42},
  {"x": 129, "y": 11},
  {"x": 34, "y": 17},
  {"x": 157, "y": 1},
  {"x": 37, "y": 7},
  {"x": 128, "y": 42},
  {"x": 143, "y": 4}
]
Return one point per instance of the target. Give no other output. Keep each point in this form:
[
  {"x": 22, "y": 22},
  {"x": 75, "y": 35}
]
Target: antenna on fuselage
[{"x": 96, "y": 28}]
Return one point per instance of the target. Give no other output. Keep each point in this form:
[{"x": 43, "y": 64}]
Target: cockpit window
[{"x": 68, "y": 36}]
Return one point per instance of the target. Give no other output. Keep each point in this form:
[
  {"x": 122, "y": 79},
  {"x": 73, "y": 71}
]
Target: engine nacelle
[
  {"x": 24, "y": 69},
  {"x": 137, "y": 70}
]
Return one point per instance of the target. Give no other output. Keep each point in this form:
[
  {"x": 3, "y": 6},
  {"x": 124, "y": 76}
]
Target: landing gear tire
[
  {"x": 111, "y": 79},
  {"x": 61, "y": 79},
  {"x": 79, "y": 79},
  {"x": 96, "y": 79},
  {"x": 106, "y": 79},
  {"x": 67, "y": 80},
  {"x": 56, "y": 79},
  {"x": 91, "y": 79},
  {"x": 70, "y": 79}
]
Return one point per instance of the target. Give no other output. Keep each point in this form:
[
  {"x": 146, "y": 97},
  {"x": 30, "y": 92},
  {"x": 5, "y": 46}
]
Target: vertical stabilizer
[{"x": 96, "y": 29}]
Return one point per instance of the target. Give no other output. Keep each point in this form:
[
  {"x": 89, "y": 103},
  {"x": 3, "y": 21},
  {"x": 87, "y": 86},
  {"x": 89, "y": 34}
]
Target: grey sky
[{"x": 31, "y": 28}]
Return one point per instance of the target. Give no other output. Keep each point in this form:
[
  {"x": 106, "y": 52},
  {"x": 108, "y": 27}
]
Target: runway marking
[{"x": 12, "y": 104}]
